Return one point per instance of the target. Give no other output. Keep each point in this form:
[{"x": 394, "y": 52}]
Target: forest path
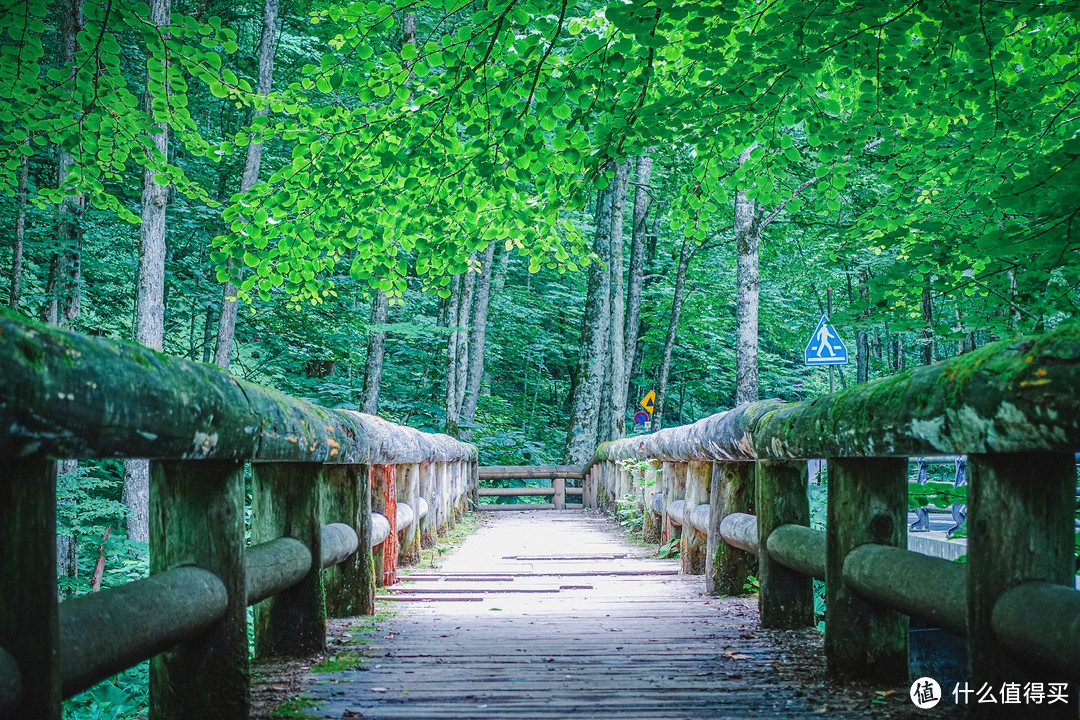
[{"x": 551, "y": 614}]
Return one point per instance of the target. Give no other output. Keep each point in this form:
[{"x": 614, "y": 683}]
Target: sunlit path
[{"x": 551, "y": 614}]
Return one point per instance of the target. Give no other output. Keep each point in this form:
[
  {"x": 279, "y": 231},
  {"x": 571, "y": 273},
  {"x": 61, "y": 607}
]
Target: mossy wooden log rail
[
  {"x": 316, "y": 475},
  {"x": 1012, "y": 408}
]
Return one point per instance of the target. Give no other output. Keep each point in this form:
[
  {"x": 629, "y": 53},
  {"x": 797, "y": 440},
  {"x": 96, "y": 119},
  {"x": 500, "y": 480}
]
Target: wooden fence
[
  {"x": 736, "y": 482},
  {"x": 325, "y": 483},
  {"x": 558, "y": 492}
]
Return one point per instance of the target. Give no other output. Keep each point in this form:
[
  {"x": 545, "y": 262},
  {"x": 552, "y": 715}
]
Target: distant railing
[
  {"x": 325, "y": 483},
  {"x": 558, "y": 492},
  {"x": 1012, "y": 408}
]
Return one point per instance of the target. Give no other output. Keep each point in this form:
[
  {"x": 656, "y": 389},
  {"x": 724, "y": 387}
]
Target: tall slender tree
[
  {"x": 477, "y": 336},
  {"x": 376, "y": 351},
  {"x": 585, "y": 400},
  {"x": 20, "y": 232},
  {"x": 613, "y": 411},
  {"x": 62, "y": 294},
  {"x": 267, "y": 45},
  {"x": 636, "y": 270},
  {"x": 150, "y": 284}
]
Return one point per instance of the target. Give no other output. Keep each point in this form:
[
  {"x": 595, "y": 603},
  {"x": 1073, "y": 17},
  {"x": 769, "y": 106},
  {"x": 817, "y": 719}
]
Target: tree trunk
[
  {"x": 65, "y": 273},
  {"x": 928, "y": 329},
  {"x": 643, "y": 173},
  {"x": 227, "y": 323},
  {"x": 613, "y": 418},
  {"x": 20, "y": 232},
  {"x": 862, "y": 339},
  {"x": 65, "y": 276},
  {"x": 669, "y": 343},
  {"x": 208, "y": 333},
  {"x": 452, "y": 312},
  {"x": 150, "y": 293},
  {"x": 747, "y": 238},
  {"x": 592, "y": 361},
  {"x": 461, "y": 361},
  {"x": 477, "y": 335},
  {"x": 376, "y": 349},
  {"x": 1013, "y": 321},
  {"x": 67, "y": 558}
]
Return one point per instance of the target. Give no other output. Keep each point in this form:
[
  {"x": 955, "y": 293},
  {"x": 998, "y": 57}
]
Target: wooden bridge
[{"x": 328, "y": 485}]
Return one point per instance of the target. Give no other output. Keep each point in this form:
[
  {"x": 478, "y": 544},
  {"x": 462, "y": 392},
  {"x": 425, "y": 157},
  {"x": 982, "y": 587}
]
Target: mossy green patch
[
  {"x": 295, "y": 708},
  {"x": 339, "y": 662}
]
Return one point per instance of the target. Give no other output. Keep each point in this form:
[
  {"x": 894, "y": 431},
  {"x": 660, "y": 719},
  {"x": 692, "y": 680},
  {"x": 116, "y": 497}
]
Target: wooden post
[
  {"x": 285, "y": 503},
  {"x": 438, "y": 505},
  {"x": 474, "y": 485},
  {"x": 346, "y": 498},
  {"x": 728, "y": 569},
  {"x": 624, "y": 483},
  {"x": 29, "y": 626},
  {"x": 384, "y": 500},
  {"x": 867, "y": 504},
  {"x": 1020, "y": 528},
  {"x": 197, "y": 518},
  {"x": 651, "y": 481},
  {"x": 786, "y": 597},
  {"x": 588, "y": 489},
  {"x": 673, "y": 483},
  {"x": 428, "y": 526},
  {"x": 559, "y": 498},
  {"x": 461, "y": 489},
  {"x": 409, "y": 493},
  {"x": 607, "y": 479},
  {"x": 692, "y": 546}
]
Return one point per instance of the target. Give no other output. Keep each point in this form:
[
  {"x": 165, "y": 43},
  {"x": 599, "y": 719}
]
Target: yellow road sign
[{"x": 647, "y": 402}]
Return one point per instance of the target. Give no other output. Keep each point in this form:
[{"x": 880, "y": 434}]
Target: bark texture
[
  {"x": 20, "y": 233},
  {"x": 927, "y": 307},
  {"x": 453, "y": 313},
  {"x": 747, "y": 239},
  {"x": 477, "y": 336},
  {"x": 636, "y": 271},
  {"x": 862, "y": 339},
  {"x": 62, "y": 294},
  {"x": 592, "y": 362},
  {"x": 150, "y": 291},
  {"x": 613, "y": 418},
  {"x": 267, "y": 46},
  {"x": 376, "y": 350}
]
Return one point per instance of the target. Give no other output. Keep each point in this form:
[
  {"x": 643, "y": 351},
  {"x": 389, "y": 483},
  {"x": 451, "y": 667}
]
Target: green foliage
[
  {"x": 670, "y": 549},
  {"x": 123, "y": 697},
  {"x": 630, "y": 513},
  {"x": 938, "y": 494}
]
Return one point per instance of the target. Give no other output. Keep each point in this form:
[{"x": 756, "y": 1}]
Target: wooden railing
[
  {"x": 558, "y": 492},
  {"x": 325, "y": 483},
  {"x": 1012, "y": 408}
]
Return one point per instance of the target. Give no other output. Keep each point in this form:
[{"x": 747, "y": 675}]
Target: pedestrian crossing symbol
[{"x": 825, "y": 346}]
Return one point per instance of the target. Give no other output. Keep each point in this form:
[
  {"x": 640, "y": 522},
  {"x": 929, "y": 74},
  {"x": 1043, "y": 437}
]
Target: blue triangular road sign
[{"x": 825, "y": 346}]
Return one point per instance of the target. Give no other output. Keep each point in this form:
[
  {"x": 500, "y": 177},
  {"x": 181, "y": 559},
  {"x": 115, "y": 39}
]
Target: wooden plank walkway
[{"x": 549, "y": 614}]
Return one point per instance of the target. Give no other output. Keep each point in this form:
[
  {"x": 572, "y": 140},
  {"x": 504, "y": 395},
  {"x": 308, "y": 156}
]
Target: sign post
[{"x": 825, "y": 346}]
